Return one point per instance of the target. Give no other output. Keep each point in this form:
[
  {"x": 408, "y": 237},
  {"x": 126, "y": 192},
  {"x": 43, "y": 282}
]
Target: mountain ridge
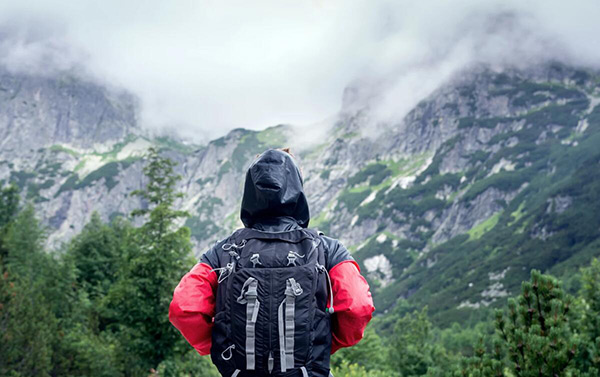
[{"x": 481, "y": 160}]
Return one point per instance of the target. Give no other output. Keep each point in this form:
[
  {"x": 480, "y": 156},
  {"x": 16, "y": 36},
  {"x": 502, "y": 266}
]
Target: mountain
[{"x": 493, "y": 174}]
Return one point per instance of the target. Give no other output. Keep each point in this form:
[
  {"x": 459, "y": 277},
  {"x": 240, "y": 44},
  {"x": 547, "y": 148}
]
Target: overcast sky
[{"x": 205, "y": 67}]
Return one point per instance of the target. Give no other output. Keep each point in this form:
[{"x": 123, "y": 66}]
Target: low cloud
[
  {"x": 427, "y": 43},
  {"x": 205, "y": 67}
]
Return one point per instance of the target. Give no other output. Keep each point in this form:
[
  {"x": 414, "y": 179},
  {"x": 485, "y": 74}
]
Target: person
[{"x": 276, "y": 298}]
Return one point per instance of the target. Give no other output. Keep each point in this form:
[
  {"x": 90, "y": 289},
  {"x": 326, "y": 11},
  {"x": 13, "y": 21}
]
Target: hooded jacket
[{"x": 274, "y": 201}]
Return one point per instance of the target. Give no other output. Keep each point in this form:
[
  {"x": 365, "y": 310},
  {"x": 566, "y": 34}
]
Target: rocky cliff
[{"x": 493, "y": 174}]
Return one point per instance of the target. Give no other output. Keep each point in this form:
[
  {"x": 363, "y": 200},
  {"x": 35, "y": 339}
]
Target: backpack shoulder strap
[{"x": 323, "y": 247}]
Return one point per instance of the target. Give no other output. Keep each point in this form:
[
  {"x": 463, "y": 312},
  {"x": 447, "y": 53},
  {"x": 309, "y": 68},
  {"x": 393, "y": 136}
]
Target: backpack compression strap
[
  {"x": 287, "y": 329},
  {"x": 249, "y": 296}
]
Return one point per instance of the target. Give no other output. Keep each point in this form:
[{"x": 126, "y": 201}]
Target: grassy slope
[
  {"x": 523, "y": 235},
  {"x": 514, "y": 237}
]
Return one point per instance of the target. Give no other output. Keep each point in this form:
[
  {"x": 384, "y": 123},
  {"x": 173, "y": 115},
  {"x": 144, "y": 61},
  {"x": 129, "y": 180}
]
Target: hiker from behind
[{"x": 275, "y": 298}]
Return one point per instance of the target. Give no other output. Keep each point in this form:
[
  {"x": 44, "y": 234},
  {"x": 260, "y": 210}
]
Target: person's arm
[
  {"x": 193, "y": 306},
  {"x": 352, "y": 301}
]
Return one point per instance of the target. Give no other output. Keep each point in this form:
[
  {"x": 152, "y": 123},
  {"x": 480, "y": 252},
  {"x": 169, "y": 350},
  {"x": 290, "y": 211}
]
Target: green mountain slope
[
  {"x": 527, "y": 190},
  {"x": 493, "y": 174}
]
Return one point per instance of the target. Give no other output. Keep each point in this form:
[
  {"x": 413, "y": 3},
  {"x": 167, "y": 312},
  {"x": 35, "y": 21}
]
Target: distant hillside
[{"x": 494, "y": 174}]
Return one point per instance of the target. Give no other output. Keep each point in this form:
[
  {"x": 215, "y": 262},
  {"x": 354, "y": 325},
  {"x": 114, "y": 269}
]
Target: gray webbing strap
[
  {"x": 251, "y": 317},
  {"x": 235, "y": 373},
  {"x": 250, "y": 297},
  {"x": 304, "y": 372},
  {"x": 281, "y": 336},
  {"x": 292, "y": 289},
  {"x": 286, "y": 337}
]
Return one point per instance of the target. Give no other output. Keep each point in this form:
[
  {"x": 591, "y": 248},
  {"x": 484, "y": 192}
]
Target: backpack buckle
[
  {"x": 255, "y": 260},
  {"x": 233, "y": 245},
  {"x": 248, "y": 291},
  {"x": 293, "y": 288},
  {"x": 292, "y": 256}
]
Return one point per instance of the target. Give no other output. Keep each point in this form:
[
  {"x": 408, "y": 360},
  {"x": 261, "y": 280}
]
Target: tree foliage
[
  {"x": 159, "y": 253},
  {"x": 99, "y": 307},
  {"x": 541, "y": 333},
  {"x": 28, "y": 327}
]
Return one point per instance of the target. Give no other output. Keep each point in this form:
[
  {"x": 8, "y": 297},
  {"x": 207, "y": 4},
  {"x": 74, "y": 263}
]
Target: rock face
[
  {"x": 487, "y": 157},
  {"x": 40, "y": 111}
]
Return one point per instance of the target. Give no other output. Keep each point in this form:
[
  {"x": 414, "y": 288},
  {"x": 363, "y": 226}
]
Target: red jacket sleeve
[
  {"x": 193, "y": 307},
  {"x": 352, "y": 304}
]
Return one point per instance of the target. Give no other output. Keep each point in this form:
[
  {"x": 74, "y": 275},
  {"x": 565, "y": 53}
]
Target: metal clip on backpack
[{"x": 272, "y": 317}]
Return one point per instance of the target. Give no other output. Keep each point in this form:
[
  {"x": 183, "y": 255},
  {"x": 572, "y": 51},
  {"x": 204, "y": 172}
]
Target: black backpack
[{"x": 271, "y": 311}]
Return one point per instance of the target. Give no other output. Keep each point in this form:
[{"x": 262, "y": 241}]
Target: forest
[{"x": 98, "y": 306}]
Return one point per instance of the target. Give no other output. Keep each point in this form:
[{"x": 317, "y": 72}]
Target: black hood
[{"x": 273, "y": 190}]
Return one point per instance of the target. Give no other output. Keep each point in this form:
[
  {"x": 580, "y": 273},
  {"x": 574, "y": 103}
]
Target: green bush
[
  {"x": 366, "y": 172},
  {"x": 504, "y": 181},
  {"x": 564, "y": 115},
  {"x": 351, "y": 200}
]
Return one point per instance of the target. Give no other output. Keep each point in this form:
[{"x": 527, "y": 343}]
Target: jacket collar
[{"x": 277, "y": 224}]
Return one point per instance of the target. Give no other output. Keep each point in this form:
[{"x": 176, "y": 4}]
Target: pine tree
[
  {"x": 539, "y": 335},
  {"x": 411, "y": 352},
  {"x": 482, "y": 364},
  {"x": 536, "y": 329},
  {"x": 590, "y": 293},
  {"x": 96, "y": 253},
  {"x": 82, "y": 279},
  {"x": 27, "y": 325},
  {"x": 9, "y": 206},
  {"x": 159, "y": 254}
]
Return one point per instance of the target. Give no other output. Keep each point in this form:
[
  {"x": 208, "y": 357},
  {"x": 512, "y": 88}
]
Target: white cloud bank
[{"x": 205, "y": 67}]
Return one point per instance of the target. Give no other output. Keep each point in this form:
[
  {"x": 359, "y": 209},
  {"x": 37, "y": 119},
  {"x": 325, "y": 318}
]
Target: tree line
[
  {"x": 544, "y": 331},
  {"x": 98, "y": 306}
]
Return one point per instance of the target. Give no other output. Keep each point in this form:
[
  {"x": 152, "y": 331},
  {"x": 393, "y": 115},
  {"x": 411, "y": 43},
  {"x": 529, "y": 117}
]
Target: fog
[{"x": 202, "y": 68}]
